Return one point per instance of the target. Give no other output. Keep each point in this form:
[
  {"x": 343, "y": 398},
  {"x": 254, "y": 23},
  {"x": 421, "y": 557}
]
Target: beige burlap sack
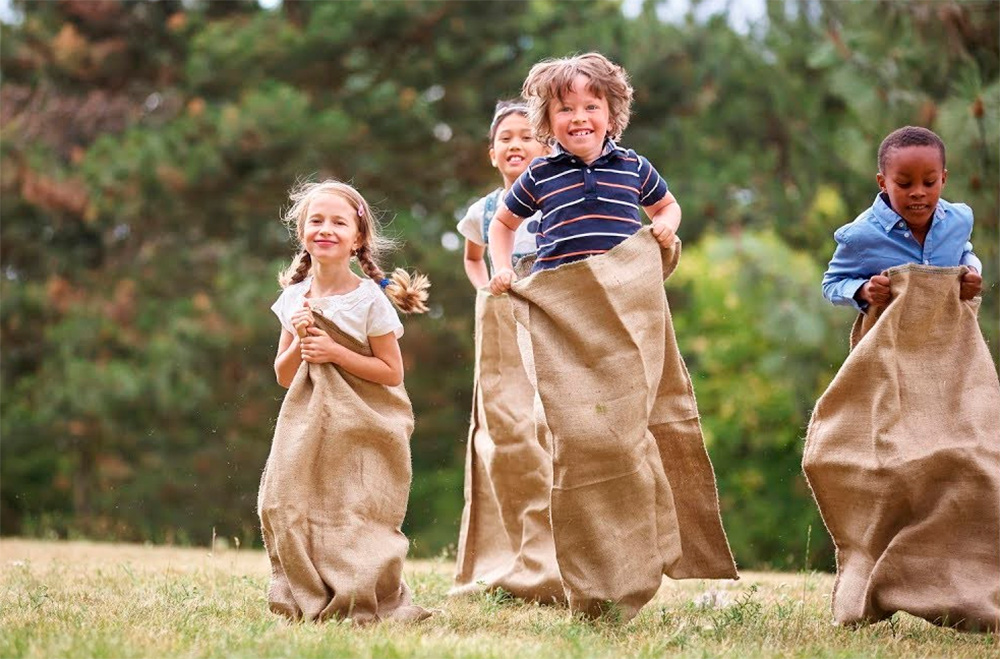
[
  {"x": 506, "y": 537},
  {"x": 633, "y": 493},
  {"x": 903, "y": 457},
  {"x": 333, "y": 496}
]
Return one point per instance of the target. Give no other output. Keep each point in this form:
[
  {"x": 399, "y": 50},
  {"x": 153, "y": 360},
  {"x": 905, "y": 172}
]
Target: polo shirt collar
[
  {"x": 888, "y": 218},
  {"x": 562, "y": 155}
]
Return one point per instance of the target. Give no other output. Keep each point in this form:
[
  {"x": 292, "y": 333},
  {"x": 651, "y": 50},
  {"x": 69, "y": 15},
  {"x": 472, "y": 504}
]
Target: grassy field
[{"x": 80, "y": 599}]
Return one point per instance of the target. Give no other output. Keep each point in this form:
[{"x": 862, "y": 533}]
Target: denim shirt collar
[
  {"x": 888, "y": 218},
  {"x": 562, "y": 155}
]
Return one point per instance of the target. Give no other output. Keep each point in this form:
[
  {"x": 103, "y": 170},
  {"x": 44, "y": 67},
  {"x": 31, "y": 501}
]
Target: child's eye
[
  {"x": 592, "y": 106},
  {"x": 903, "y": 185}
]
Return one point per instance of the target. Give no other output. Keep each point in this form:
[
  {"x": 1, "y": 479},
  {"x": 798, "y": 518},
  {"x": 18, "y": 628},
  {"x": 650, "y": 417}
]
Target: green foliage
[
  {"x": 146, "y": 150},
  {"x": 761, "y": 344}
]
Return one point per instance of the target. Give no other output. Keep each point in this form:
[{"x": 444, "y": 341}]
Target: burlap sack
[
  {"x": 506, "y": 537},
  {"x": 903, "y": 457},
  {"x": 333, "y": 496},
  {"x": 633, "y": 493}
]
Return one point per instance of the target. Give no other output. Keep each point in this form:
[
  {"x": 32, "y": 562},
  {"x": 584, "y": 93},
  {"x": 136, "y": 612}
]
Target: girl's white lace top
[{"x": 360, "y": 313}]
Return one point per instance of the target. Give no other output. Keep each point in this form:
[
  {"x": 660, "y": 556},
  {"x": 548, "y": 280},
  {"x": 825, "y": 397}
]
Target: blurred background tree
[{"x": 146, "y": 150}]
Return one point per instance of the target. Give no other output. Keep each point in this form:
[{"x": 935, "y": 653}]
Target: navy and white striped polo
[{"x": 585, "y": 209}]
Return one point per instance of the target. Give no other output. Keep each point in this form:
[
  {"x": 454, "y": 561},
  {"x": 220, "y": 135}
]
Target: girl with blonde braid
[
  {"x": 334, "y": 490},
  {"x": 334, "y": 224}
]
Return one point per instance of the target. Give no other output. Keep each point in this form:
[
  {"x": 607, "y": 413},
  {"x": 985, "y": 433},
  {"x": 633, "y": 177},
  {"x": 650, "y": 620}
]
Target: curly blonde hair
[
  {"x": 408, "y": 292},
  {"x": 550, "y": 79}
]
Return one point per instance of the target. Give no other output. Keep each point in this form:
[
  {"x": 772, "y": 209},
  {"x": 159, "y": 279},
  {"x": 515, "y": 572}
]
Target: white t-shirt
[
  {"x": 471, "y": 226},
  {"x": 360, "y": 313}
]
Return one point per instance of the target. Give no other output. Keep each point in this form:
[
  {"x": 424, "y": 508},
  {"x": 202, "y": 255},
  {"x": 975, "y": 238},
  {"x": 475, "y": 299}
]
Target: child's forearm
[
  {"x": 970, "y": 259},
  {"x": 287, "y": 363},
  {"x": 475, "y": 270},
  {"x": 371, "y": 368},
  {"x": 501, "y": 245},
  {"x": 669, "y": 214}
]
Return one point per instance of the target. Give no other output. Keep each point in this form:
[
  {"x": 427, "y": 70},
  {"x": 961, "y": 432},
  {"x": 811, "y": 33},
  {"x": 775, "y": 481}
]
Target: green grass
[{"x": 79, "y": 599}]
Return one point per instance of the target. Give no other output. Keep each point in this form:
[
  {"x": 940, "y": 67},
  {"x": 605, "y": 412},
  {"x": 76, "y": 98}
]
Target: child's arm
[
  {"x": 846, "y": 281},
  {"x": 475, "y": 264},
  {"x": 288, "y": 359},
  {"x": 385, "y": 366},
  {"x": 501, "y": 243},
  {"x": 666, "y": 217},
  {"x": 972, "y": 282}
]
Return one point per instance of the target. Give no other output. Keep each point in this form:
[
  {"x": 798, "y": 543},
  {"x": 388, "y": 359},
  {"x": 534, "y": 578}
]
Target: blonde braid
[
  {"x": 297, "y": 271},
  {"x": 368, "y": 265},
  {"x": 407, "y": 292}
]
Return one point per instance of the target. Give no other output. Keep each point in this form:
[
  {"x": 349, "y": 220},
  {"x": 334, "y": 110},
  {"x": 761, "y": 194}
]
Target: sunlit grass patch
[{"x": 92, "y": 600}]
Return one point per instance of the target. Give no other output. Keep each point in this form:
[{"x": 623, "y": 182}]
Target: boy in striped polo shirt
[{"x": 590, "y": 190}]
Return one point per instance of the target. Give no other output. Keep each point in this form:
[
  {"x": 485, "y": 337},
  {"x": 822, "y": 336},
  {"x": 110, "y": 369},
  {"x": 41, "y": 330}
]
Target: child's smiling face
[
  {"x": 579, "y": 120},
  {"x": 330, "y": 231},
  {"x": 913, "y": 178},
  {"x": 514, "y": 147}
]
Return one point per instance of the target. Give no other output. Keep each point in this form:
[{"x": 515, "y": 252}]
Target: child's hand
[
  {"x": 302, "y": 319},
  {"x": 318, "y": 348},
  {"x": 875, "y": 290},
  {"x": 501, "y": 281},
  {"x": 664, "y": 234},
  {"x": 972, "y": 285}
]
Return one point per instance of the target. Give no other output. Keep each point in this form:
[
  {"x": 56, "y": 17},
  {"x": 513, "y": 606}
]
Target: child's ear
[
  {"x": 944, "y": 177},
  {"x": 493, "y": 157},
  {"x": 881, "y": 181}
]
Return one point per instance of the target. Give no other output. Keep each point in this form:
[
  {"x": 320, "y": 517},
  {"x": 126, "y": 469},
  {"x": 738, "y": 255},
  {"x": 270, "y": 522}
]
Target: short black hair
[{"x": 908, "y": 136}]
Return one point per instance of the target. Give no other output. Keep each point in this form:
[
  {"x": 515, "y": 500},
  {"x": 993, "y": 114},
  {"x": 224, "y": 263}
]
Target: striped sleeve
[
  {"x": 521, "y": 197},
  {"x": 653, "y": 187}
]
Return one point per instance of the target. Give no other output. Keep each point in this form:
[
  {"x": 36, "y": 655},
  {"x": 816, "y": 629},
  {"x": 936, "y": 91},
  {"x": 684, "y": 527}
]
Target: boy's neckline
[
  {"x": 925, "y": 229},
  {"x": 609, "y": 147}
]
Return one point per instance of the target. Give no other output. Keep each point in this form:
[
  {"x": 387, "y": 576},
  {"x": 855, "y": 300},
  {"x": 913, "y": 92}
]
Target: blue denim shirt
[{"x": 879, "y": 239}]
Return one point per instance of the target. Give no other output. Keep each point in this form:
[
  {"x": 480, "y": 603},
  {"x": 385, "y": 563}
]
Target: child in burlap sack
[
  {"x": 512, "y": 148},
  {"x": 589, "y": 190},
  {"x": 907, "y": 223},
  {"x": 335, "y": 487},
  {"x": 903, "y": 447},
  {"x": 633, "y": 491},
  {"x": 505, "y": 539}
]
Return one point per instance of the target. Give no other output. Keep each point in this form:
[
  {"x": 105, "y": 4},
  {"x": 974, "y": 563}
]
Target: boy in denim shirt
[{"x": 907, "y": 223}]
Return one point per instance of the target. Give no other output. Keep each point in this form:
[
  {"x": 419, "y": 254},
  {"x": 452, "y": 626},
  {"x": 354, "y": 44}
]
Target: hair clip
[{"x": 384, "y": 283}]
